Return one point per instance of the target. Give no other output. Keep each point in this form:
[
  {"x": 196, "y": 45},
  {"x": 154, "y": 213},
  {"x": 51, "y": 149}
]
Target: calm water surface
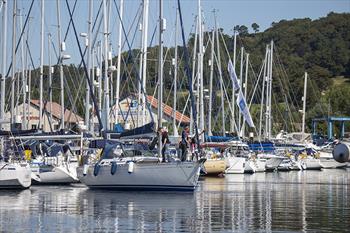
[{"x": 308, "y": 201}]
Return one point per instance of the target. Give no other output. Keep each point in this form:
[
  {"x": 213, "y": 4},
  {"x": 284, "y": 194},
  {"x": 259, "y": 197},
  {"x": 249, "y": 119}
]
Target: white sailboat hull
[
  {"x": 311, "y": 164},
  {"x": 54, "y": 174},
  {"x": 328, "y": 162},
  {"x": 331, "y": 163},
  {"x": 273, "y": 163},
  {"x": 296, "y": 166},
  {"x": 236, "y": 165},
  {"x": 15, "y": 176},
  {"x": 143, "y": 176},
  {"x": 285, "y": 165},
  {"x": 256, "y": 165}
]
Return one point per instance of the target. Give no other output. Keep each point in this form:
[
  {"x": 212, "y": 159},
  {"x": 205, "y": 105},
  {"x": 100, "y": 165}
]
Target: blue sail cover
[
  {"x": 266, "y": 146},
  {"x": 139, "y": 132},
  {"x": 118, "y": 128},
  {"x": 217, "y": 138}
]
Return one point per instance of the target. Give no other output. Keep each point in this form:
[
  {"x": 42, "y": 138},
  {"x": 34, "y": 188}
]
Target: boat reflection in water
[{"x": 293, "y": 201}]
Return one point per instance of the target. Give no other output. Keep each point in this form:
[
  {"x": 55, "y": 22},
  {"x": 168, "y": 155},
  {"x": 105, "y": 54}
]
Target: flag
[
  {"x": 244, "y": 109},
  {"x": 232, "y": 72}
]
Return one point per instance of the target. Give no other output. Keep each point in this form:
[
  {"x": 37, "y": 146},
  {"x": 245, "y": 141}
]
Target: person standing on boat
[
  {"x": 165, "y": 141},
  {"x": 184, "y": 143},
  {"x": 193, "y": 145},
  {"x": 154, "y": 141}
]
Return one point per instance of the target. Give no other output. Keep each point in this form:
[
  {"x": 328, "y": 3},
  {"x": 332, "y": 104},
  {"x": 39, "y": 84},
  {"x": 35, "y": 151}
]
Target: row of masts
[
  {"x": 61, "y": 57},
  {"x": 104, "y": 52},
  {"x": 215, "y": 58}
]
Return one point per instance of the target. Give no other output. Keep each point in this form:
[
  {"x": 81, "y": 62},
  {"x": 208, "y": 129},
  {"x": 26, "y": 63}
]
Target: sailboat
[
  {"x": 14, "y": 175},
  {"x": 237, "y": 155},
  {"x": 129, "y": 168},
  {"x": 54, "y": 170},
  {"x": 51, "y": 162},
  {"x": 135, "y": 169},
  {"x": 14, "y": 171},
  {"x": 216, "y": 163}
]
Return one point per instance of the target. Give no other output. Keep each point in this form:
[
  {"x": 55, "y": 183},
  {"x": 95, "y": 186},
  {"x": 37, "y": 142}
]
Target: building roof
[
  {"x": 168, "y": 111},
  {"x": 69, "y": 116}
]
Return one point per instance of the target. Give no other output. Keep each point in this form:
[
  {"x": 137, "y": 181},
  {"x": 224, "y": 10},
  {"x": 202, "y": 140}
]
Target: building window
[
  {"x": 33, "y": 126},
  {"x": 56, "y": 127}
]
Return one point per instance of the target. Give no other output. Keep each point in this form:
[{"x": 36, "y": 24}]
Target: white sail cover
[
  {"x": 244, "y": 109},
  {"x": 232, "y": 72},
  {"x": 241, "y": 102}
]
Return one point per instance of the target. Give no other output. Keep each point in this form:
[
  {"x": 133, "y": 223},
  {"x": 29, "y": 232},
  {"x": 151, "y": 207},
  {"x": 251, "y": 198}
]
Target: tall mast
[
  {"x": 221, "y": 79},
  {"x": 240, "y": 83},
  {"x": 270, "y": 92},
  {"x": 13, "y": 61},
  {"x": 210, "y": 133},
  {"x": 160, "y": 72},
  {"x": 119, "y": 61},
  {"x": 41, "y": 65},
  {"x": 263, "y": 92},
  {"x": 50, "y": 74},
  {"x": 200, "y": 64},
  {"x": 17, "y": 80},
  {"x": 60, "y": 54},
  {"x": 198, "y": 78},
  {"x": 144, "y": 57},
  {"x": 267, "y": 93},
  {"x": 24, "y": 81},
  {"x": 233, "y": 104},
  {"x": 99, "y": 75},
  {"x": 110, "y": 60},
  {"x": 139, "y": 82},
  {"x": 245, "y": 88},
  {"x": 92, "y": 125},
  {"x": 106, "y": 78},
  {"x": 175, "y": 77},
  {"x": 304, "y": 106},
  {"x": 193, "y": 70},
  {"x": 4, "y": 47},
  {"x": 89, "y": 48},
  {"x": 29, "y": 81}
]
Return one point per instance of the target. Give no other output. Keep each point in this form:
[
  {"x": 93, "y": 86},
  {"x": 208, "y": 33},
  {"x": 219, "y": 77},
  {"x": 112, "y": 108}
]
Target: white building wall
[{"x": 33, "y": 119}]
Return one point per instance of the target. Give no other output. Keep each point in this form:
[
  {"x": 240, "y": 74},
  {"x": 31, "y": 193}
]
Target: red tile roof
[
  {"x": 168, "y": 111},
  {"x": 69, "y": 116}
]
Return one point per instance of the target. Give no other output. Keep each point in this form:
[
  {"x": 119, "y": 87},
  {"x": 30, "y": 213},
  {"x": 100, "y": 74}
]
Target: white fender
[
  {"x": 85, "y": 169},
  {"x": 131, "y": 167}
]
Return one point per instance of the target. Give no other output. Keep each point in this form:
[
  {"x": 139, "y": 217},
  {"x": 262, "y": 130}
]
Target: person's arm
[{"x": 188, "y": 141}]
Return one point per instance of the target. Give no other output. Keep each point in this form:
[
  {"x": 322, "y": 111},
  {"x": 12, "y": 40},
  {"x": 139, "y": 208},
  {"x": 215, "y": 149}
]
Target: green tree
[
  {"x": 255, "y": 27},
  {"x": 243, "y": 30}
]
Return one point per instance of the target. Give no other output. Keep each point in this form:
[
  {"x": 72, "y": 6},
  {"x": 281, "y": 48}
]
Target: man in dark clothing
[
  {"x": 184, "y": 143},
  {"x": 165, "y": 141}
]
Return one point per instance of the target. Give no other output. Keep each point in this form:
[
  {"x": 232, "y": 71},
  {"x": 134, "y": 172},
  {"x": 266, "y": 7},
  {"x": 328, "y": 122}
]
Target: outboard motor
[{"x": 341, "y": 153}]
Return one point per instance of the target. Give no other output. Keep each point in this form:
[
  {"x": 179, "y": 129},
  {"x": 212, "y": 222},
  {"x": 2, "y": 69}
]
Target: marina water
[{"x": 301, "y": 201}]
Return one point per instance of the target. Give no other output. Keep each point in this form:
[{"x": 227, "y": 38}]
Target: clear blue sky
[{"x": 229, "y": 13}]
